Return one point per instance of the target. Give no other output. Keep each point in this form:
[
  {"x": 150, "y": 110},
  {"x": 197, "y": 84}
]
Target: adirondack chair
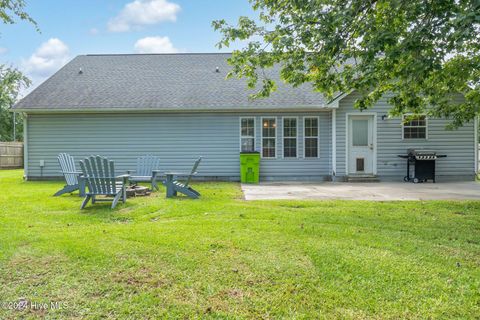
[
  {"x": 99, "y": 174},
  {"x": 147, "y": 170},
  {"x": 72, "y": 176},
  {"x": 174, "y": 186}
]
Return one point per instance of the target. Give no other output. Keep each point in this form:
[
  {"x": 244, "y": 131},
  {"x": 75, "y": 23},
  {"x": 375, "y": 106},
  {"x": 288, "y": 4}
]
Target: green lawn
[{"x": 223, "y": 257}]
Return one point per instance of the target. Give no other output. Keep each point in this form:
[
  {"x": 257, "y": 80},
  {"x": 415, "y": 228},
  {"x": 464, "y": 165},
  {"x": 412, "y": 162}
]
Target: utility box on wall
[{"x": 249, "y": 167}]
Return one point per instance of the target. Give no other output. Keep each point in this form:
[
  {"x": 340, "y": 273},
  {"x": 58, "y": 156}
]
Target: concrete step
[{"x": 363, "y": 178}]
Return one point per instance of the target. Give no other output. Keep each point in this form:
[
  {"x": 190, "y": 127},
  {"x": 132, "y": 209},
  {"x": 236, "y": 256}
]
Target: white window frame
[
  {"x": 261, "y": 136},
  {"x": 318, "y": 136},
  {"x": 296, "y": 137},
  {"x": 247, "y": 137},
  {"x": 403, "y": 127}
]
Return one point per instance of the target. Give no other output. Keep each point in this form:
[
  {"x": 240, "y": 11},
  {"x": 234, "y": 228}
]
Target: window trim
[
  {"x": 261, "y": 136},
  {"x": 318, "y": 136},
  {"x": 296, "y": 137},
  {"x": 403, "y": 127},
  {"x": 240, "y": 132}
]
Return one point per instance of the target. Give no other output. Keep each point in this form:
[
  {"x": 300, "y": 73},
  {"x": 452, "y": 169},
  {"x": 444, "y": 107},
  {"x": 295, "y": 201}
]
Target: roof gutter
[
  {"x": 176, "y": 110},
  {"x": 334, "y": 102}
]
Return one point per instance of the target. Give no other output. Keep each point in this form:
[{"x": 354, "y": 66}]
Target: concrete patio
[{"x": 383, "y": 191}]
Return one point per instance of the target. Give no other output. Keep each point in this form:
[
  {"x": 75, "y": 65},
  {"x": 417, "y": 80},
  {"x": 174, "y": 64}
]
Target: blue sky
[{"x": 73, "y": 27}]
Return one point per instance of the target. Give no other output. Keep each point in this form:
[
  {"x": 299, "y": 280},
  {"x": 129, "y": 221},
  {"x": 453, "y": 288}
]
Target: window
[
  {"x": 311, "y": 137},
  {"x": 414, "y": 127},
  {"x": 289, "y": 137},
  {"x": 247, "y": 134},
  {"x": 269, "y": 128},
  {"x": 359, "y": 132}
]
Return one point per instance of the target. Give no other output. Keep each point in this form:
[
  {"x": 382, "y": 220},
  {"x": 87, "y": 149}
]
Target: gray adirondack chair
[
  {"x": 72, "y": 177},
  {"x": 147, "y": 170},
  {"x": 99, "y": 174},
  {"x": 173, "y": 185}
]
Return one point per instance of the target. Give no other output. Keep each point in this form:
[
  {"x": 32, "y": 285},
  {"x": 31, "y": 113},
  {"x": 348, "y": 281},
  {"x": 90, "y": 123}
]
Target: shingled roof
[{"x": 178, "y": 82}]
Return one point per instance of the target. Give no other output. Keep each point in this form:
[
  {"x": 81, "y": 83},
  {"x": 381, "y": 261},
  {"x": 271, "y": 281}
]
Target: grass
[{"x": 223, "y": 257}]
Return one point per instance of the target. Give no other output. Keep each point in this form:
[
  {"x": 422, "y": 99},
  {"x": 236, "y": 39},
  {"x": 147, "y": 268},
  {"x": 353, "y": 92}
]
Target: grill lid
[{"x": 421, "y": 152}]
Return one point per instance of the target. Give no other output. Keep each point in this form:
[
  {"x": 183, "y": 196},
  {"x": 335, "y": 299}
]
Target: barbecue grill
[{"x": 420, "y": 165}]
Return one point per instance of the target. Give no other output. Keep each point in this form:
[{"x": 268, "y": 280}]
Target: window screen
[
  {"x": 247, "y": 134},
  {"x": 290, "y": 137},
  {"x": 311, "y": 137},
  {"x": 269, "y": 128},
  {"x": 414, "y": 127},
  {"x": 359, "y": 133}
]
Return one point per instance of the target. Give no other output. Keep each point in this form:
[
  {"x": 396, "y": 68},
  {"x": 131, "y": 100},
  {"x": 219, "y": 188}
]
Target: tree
[
  {"x": 420, "y": 52},
  {"x": 11, "y": 80},
  {"x": 11, "y": 9}
]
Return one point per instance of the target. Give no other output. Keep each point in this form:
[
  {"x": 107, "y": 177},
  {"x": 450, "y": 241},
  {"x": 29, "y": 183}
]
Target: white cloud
[
  {"x": 93, "y": 31},
  {"x": 3, "y": 50},
  {"x": 155, "y": 45},
  {"x": 143, "y": 12},
  {"x": 47, "y": 59}
]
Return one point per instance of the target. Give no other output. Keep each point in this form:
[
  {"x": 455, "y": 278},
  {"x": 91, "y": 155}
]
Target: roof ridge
[{"x": 158, "y": 54}]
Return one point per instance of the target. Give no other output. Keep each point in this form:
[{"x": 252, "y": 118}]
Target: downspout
[
  {"x": 476, "y": 142},
  {"x": 25, "y": 147},
  {"x": 334, "y": 144},
  {"x": 14, "y": 127}
]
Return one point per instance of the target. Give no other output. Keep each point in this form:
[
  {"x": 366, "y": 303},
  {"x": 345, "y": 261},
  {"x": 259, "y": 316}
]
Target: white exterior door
[{"x": 360, "y": 144}]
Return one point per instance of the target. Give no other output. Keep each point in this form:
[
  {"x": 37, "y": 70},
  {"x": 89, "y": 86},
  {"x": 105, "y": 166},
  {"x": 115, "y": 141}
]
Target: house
[{"x": 180, "y": 106}]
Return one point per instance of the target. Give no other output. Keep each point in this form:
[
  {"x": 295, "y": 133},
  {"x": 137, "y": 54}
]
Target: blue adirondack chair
[
  {"x": 173, "y": 185},
  {"x": 147, "y": 170},
  {"x": 99, "y": 174},
  {"x": 72, "y": 177}
]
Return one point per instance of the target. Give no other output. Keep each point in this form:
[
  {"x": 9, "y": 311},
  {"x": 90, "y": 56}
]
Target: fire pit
[{"x": 135, "y": 191}]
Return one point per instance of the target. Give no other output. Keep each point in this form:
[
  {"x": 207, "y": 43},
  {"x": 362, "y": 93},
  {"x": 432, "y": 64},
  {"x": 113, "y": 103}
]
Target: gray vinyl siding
[
  {"x": 177, "y": 139},
  {"x": 458, "y": 145}
]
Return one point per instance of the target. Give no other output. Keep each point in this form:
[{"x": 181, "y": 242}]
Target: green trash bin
[{"x": 249, "y": 167}]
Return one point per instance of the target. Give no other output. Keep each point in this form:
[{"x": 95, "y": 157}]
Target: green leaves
[
  {"x": 11, "y": 82},
  {"x": 420, "y": 52},
  {"x": 11, "y": 9}
]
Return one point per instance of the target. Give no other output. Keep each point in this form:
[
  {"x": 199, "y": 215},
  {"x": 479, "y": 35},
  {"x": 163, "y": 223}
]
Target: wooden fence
[{"x": 11, "y": 155}]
